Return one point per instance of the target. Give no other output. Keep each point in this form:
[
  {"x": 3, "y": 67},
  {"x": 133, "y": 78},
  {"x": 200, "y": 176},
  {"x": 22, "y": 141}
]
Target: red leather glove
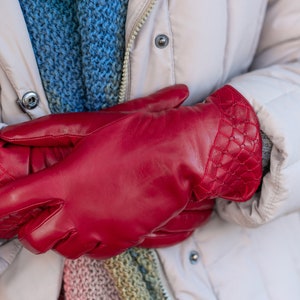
[
  {"x": 126, "y": 180},
  {"x": 18, "y": 160}
]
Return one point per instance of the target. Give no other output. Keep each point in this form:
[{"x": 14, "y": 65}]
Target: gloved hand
[
  {"x": 18, "y": 160},
  {"x": 126, "y": 180}
]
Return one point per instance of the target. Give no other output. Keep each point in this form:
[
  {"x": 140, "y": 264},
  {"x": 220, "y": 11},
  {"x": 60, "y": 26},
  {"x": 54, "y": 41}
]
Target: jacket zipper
[
  {"x": 122, "y": 95},
  {"x": 134, "y": 32},
  {"x": 162, "y": 281}
]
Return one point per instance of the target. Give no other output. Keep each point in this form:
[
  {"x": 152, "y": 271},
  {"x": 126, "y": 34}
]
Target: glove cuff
[{"x": 234, "y": 167}]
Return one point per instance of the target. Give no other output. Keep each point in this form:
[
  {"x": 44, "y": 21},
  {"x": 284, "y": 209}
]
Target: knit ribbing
[
  {"x": 135, "y": 274},
  {"x": 87, "y": 279},
  {"x": 79, "y": 48}
]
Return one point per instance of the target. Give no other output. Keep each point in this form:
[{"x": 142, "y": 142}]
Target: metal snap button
[
  {"x": 30, "y": 100},
  {"x": 194, "y": 257},
  {"x": 162, "y": 41}
]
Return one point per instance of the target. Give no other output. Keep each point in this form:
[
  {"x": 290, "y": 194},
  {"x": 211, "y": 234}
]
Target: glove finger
[
  {"x": 45, "y": 231},
  {"x": 106, "y": 251},
  {"x": 162, "y": 239},
  {"x": 178, "y": 228},
  {"x": 204, "y": 204},
  {"x": 11, "y": 224},
  {"x": 45, "y": 157},
  {"x": 186, "y": 221},
  {"x": 66, "y": 129},
  {"x": 23, "y": 199},
  {"x": 13, "y": 164},
  {"x": 73, "y": 247},
  {"x": 58, "y": 129},
  {"x": 169, "y": 97}
]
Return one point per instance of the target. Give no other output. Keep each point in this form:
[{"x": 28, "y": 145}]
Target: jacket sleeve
[{"x": 273, "y": 88}]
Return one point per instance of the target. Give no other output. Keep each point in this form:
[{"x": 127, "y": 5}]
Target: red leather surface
[{"x": 137, "y": 177}]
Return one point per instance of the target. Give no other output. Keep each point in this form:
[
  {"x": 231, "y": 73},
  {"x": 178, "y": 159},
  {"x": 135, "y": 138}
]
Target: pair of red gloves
[{"x": 143, "y": 173}]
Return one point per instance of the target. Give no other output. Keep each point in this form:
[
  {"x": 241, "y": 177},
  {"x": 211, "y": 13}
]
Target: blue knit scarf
[{"x": 79, "y": 48}]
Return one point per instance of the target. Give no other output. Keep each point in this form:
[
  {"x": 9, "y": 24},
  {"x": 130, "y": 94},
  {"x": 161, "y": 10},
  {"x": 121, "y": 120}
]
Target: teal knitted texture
[{"x": 79, "y": 48}]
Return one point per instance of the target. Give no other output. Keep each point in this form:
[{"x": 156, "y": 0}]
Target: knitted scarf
[{"x": 79, "y": 48}]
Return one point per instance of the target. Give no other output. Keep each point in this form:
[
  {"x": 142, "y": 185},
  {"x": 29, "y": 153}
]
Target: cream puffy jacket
[{"x": 246, "y": 251}]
